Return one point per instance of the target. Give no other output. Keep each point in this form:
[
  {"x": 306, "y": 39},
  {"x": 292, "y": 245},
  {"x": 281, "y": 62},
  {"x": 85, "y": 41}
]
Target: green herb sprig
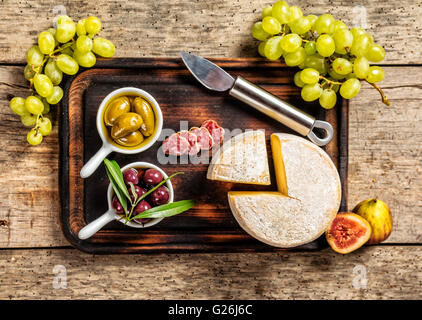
[{"x": 115, "y": 176}]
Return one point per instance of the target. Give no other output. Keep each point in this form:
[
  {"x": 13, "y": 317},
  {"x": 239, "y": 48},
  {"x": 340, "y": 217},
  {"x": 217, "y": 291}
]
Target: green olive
[
  {"x": 131, "y": 140},
  {"x": 144, "y": 109},
  {"x": 115, "y": 109},
  {"x": 125, "y": 124}
]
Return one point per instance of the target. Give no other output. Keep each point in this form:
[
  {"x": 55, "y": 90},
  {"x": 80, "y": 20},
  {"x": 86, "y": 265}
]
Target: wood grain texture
[
  {"x": 209, "y": 226},
  {"x": 211, "y": 28},
  {"x": 383, "y": 162},
  {"x": 385, "y": 150},
  {"x": 391, "y": 272}
]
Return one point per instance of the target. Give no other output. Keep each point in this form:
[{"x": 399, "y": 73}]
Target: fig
[
  {"x": 377, "y": 213},
  {"x": 348, "y": 232}
]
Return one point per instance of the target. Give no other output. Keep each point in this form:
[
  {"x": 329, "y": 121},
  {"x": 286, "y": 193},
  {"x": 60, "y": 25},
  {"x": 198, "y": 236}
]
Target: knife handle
[{"x": 281, "y": 111}]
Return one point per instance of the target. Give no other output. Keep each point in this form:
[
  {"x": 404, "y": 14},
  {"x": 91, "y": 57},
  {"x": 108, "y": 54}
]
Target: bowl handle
[
  {"x": 91, "y": 228},
  {"x": 95, "y": 161}
]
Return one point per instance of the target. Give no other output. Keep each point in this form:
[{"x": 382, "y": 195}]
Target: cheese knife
[{"x": 215, "y": 78}]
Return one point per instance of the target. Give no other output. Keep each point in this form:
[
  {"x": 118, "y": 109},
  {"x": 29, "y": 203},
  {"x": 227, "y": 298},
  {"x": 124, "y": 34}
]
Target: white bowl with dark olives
[{"x": 144, "y": 176}]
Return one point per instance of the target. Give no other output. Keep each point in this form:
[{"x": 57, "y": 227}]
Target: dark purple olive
[
  {"x": 160, "y": 196},
  {"x": 138, "y": 190},
  {"x": 115, "y": 203},
  {"x": 152, "y": 177},
  {"x": 141, "y": 207},
  {"x": 131, "y": 175}
]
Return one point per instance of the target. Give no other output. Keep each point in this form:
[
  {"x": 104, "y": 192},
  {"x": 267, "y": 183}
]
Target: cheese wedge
[
  {"x": 242, "y": 159},
  {"x": 307, "y": 200}
]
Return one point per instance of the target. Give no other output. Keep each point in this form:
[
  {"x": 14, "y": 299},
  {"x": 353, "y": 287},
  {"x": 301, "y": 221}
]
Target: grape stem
[
  {"x": 329, "y": 81},
  {"x": 383, "y": 96}
]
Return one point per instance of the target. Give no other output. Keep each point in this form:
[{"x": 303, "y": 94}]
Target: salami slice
[
  {"x": 193, "y": 141},
  {"x": 215, "y": 130},
  {"x": 205, "y": 140},
  {"x": 176, "y": 145}
]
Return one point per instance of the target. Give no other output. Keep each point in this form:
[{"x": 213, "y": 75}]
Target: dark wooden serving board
[{"x": 209, "y": 226}]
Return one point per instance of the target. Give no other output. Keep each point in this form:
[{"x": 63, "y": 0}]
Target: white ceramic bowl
[
  {"x": 108, "y": 147},
  {"x": 90, "y": 229}
]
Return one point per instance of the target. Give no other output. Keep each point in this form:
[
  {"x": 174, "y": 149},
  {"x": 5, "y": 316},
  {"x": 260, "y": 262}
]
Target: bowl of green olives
[{"x": 129, "y": 120}]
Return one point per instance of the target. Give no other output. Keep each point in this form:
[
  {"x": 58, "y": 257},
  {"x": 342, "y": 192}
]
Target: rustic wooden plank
[
  {"x": 384, "y": 161},
  {"x": 392, "y": 272},
  {"x": 211, "y": 28},
  {"x": 29, "y": 201},
  {"x": 385, "y": 150}
]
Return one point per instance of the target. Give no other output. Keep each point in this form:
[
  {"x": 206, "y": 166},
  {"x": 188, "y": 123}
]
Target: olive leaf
[
  {"x": 166, "y": 210},
  {"x": 120, "y": 195}
]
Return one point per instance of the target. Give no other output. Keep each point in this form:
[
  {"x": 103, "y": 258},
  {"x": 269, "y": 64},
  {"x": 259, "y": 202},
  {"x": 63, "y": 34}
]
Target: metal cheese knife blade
[{"x": 215, "y": 78}]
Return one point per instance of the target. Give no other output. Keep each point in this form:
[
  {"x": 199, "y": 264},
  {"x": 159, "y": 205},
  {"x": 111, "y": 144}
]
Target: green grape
[
  {"x": 357, "y": 32},
  {"x": 295, "y": 58},
  {"x": 295, "y": 13},
  {"x": 311, "y": 92},
  {"x": 316, "y": 62},
  {"x": 46, "y": 42},
  {"x": 34, "y": 137},
  {"x": 93, "y": 25},
  {"x": 302, "y": 65},
  {"x": 84, "y": 44},
  {"x": 65, "y": 30},
  {"x": 80, "y": 28},
  {"x": 298, "y": 82},
  {"x": 350, "y": 88},
  {"x": 328, "y": 99},
  {"x": 324, "y": 24},
  {"x": 272, "y": 49},
  {"x": 53, "y": 72},
  {"x": 300, "y": 26},
  {"x": 375, "y": 74},
  {"x": 325, "y": 45},
  {"x": 103, "y": 47},
  {"x": 261, "y": 48},
  {"x": 311, "y": 18},
  {"x": 360, "y": 45},
  {"x": 291, "y": 42},
  {"x": 17, "y": 104},
  {"x": 43, "y": 85},
  {"x": 46, "y": 106},
  {"x": 67, "y": 64},
  {"x": 34, "y": 105},
  {"x": 258, "y": 33},
  {"x": 28, "y": 72},
  {"x": 375, "y": 53},
  {"x": 343, "y": 39},
  {"x": 335, "y": 75},
  {"x": 44, "y": 126},
  {"x": 53, "y": 32},
  {"x": 28, "y": 120},
  {"x": 338, "y": 25},
  {"x": 342, "y": 66},
  {"x": 271, "y": 25},
  {"x": 281, "y": 11},
  {"x": 86, "y": 60},
  {"x": 34, "y": 56},
  {"x": 350, "y": 76},
  {"x": 310, "y": 48},
  {"x": 56, "y": 96},
  {"x": 63, "y": 19},
  {"x": 361, "y": 67},
  {"x": 267, "y": 11},
  {"x": 309, "y": 76},
  {"x": 68, "y": 51},
  {"x": 335, "y": 87}
]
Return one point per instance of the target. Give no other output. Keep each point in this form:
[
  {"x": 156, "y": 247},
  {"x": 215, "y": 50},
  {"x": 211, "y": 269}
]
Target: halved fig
[{"x": 348, "y": 232}]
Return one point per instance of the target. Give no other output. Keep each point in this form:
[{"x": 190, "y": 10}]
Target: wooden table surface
[{"x": 385, "y": 161}]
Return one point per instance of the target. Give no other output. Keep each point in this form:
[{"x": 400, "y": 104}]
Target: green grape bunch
[
  {"x": 331, "y": 57},
  {"x": 58, "y": 51}
]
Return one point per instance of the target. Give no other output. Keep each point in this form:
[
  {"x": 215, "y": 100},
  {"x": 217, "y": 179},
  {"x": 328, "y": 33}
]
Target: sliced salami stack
[{"x": 191, "y": 142}]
